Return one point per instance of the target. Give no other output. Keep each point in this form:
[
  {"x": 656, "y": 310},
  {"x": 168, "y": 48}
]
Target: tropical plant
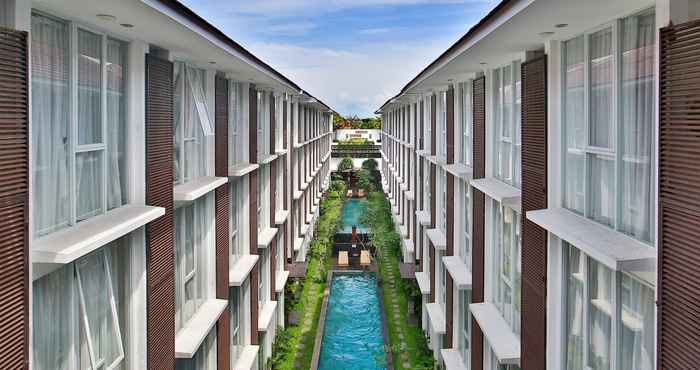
[
  {"x": 346, "y": 164},
  {"x": 339, "y": 186},
  {"x": 364, "y": 180},
  {"x": 369, "y": 164}
]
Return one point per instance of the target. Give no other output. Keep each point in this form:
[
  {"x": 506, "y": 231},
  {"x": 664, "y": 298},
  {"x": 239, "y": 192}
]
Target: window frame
[
  {"x": 511, "y": 124},
  {"x": 511, "y": 311},
  {"x": 614, "y": 153},
  {"x": 466, "y": 110},
  {"x": 74, "y": 148}
]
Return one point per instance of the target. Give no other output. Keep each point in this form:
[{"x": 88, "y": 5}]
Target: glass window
[
  {"x": 204, "y": 358},
  {"x": 443, "y": 122},
  {"x": 235, "y": 222},
  {"x": 506, "y": 102},
  {"x": 465, "y": 247},
  {"x": 88, "y": 295},
  {"x": 611, "y": 147},
  {"x": 78, "y": 160},
  {"x": 465, "y": 89},
  {"x": 443, "y": 201},
  {"x": 465, "y": 327},
  {"x": 589, "y": 327},
  {"x": 506, "y": 261},
  {"x": 237, "y": 121},
  {"x": 235, "y": 312},
  {"x": 190, "y": 260},
  {"x": 191, "y": 123}
]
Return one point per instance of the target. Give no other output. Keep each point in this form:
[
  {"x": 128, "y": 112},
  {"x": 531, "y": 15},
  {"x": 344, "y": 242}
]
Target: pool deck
[{"x": 324, "y": 307}]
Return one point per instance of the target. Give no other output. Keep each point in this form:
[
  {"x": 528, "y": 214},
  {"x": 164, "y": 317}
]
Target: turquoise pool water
[
  {"x": 352, "y": 337},
  {"x": 353, "y": 210}
]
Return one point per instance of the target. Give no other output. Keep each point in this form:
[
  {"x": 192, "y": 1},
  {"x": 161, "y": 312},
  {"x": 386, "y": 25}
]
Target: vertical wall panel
[
  {"x": 253, "y": 178},
  {"x": 534, "y": 196},
  {"x": 222, "y": 218},
  {"x": 478, "y": 209},
  {"x": 433, "y": 124},
  {"x": 160, "y": 273},
  {"x": 14, "y": 204},
  {"x": 679, "y": 198}
]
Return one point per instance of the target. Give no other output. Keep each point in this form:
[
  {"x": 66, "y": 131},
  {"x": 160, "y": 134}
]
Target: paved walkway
[{"x": 394, "y": 310}]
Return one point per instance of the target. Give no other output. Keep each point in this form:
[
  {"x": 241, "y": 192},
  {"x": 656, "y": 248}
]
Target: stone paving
[{"x": 395, "y": 309}]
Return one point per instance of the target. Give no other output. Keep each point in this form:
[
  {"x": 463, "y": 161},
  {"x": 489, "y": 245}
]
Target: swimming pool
[
  {"x": 352, "y": 337},
  {"x": 353, "y": 210}
]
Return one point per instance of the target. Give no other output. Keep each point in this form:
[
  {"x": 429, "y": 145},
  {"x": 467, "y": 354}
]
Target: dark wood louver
[
  {"x": 478, "y": 207},
  {"x": 450, "y": 214},
  {"x": 222, "y": 218},
  {"x": 160, "y": 233},
  {"x": 679, "y": 198},
  {"x": 14, "y": 196},
  {"x": 253, "y": 210},
  {"x": 534, "y": 197}
]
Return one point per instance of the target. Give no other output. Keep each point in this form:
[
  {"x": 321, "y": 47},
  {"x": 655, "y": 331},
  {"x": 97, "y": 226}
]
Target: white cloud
[{"x": 351, "y": 82}]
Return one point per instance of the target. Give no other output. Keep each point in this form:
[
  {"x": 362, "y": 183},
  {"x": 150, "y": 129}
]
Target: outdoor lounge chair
[
  {"x": 343, "y": 258},
  {"x": 364, "y": 258}
]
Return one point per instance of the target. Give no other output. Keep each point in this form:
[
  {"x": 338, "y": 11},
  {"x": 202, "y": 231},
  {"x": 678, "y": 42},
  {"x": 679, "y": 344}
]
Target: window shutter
[
  {"x": 478, "y": 203},
  {"x": 222, "y": 199},
  {"x": 160, "y": 233},
  {"x": 679, "y": 198},
  {"x": 534, "y": 197},
  {"x": 14, "y": 193}
]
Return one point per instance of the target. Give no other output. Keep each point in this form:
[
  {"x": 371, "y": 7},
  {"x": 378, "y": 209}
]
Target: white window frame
[
  {"x": 442, "y": 121},
  {"x": 235, "y": 221},
  {"x": 466, "y": 110},
  {"x": 443, "y": 199},
  {"x": 511, "y": 124},
  {"x": 237, "y": 143},
  {"x": 94, "y": 361},
  {"x": 512, "y": 280},
  {"x": 465, "y": 328},
  {"x": 613, "y": 153},
  {"x": 235, "y": 316},
  {"x": 74, "y": 148},
  {"x": 466, "y": 245}
]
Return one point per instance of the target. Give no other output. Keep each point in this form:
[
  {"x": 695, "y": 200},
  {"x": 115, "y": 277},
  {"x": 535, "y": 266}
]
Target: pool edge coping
[{"x": 322, "y": 320}]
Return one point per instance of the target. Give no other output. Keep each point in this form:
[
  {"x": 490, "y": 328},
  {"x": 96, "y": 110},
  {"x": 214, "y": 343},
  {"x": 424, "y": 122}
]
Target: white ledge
[
  {"x": 423, "y": 217},
  {"x": 410, "y": 195},
  {"x": 298, "y": 242},
  {"x": 423, "y": 280},
  {"x": 242, "y": 169},
  {"x": 196, "y": 188},
  {"x": 297, "y": 194},
  {"x": 452, "y": 359},
  {"x": 504, "y": 343},
  {"x": 246, "y": 360},
  {"x": 267, "y": 158},
  {"x": 499, "y": 191},
  {"x": 240, "y": 270},
  {"x": 437, "y": 238},
  {"x": 607, "y": 246},
  {"x": 281, "y": 152},
  {"x": 67, "y": 245},
  {"x": 191, "y": 336},
  {"x": 437, "y": 318},
  {"x": 423, "y": 152},
  {"x": 266, "y": 314},
  {"x": 281, "y": 217},
  {"x": 459, "y": 170},
  {"x": 281, "y": 278},
  {"x": 458, "y": 270},
  {"x": 266, "y": 236}
]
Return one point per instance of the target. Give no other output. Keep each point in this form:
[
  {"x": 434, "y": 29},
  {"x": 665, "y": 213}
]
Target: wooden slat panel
[
  {"x": 160, "y": 233},
  {"x": 534, "y": 197},
  {"x": 14, "y": 203},
  {"x": 679, "y": 198},
  {"x": 478, "y": 208}
]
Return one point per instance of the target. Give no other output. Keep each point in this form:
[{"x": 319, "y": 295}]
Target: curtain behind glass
[
  {"x": 52, "y": 323},
  {"x": 236, "y": 122},
  {"x": 600, "y": 308},
  {"x": 50, "y": 135},
  {"x": 574, "y": 125},
  {"x": 191, "y": 117},
  {"x": 637, "y": 325},
  {"x": 116, "y": 123},
  {"x": 638, "y": 89},
  {"x": 191, "y": 264},
  {"x": 574, "y": 309},
  {"x": 204, "y": 358}
]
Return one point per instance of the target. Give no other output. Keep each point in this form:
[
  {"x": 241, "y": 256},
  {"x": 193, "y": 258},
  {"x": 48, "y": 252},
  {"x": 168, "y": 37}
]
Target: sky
[{"x": 351, "y": 54}]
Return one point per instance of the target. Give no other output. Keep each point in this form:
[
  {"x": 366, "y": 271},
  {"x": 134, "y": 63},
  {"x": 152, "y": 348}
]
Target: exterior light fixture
[
  {"x": 106, "y": 17},
  {"x": 561, "y": 25},
  {"x": 127, "y": 25},
  {"x": 546, "y": 33}
]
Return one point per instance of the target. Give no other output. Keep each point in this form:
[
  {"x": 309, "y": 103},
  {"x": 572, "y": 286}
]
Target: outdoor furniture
[
  {"x": 364, "y": 258},
  {"x": 361, "y": 193},
  {"x": 343, "y": 258},
  {"x": 349, "y": 195}
]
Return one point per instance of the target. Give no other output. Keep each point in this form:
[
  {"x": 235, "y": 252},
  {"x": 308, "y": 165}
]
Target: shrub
[
  {"x": 346, "y": 164},
  {"x": 369, "y": 165}
]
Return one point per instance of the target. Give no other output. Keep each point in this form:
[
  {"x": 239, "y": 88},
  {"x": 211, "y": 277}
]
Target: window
[
  {"x": 443, "y": 201},
  {"x": 235, "y": 222},
  {"x": 608, "y": 169},
  {"x": 465, "y": 327},
  {"x": 465, "y": 91},
  {"x": 428, "y": 105},
  {"x": 204, "y": 358},
  {"x": 89, "y": 298},
  {"x": 191, "y": 260},
  {"x": 262, "y": 279},
  {"x": 78, "y": 154},
  {"x": 442, "y": 117},
  {"x": 262, "y": 188},
  {"x": 443, "y": 281},
  {"x": 235, "y": 312},
  {"x": 237, "y": 121},
  {"x": 506, "y": 264},
  {"x": 192, "y": 124},
  {"x": 263, "y": 123},
  {"x": 465, "y": 247},
  {"x": 426, "y": 199},
  {"x": 589, "y": 326},
  {"x": 506, "y": 103}
]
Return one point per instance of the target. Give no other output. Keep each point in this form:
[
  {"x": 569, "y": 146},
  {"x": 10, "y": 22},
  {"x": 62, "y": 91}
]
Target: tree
[
  {"x": 346, "y": 164},
  {"x": 369, "y": 164},
  {"x": 364, "y": 180}
]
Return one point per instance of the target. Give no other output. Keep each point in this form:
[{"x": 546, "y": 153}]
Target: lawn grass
[
  {"x": 413, "y": 349},
  {"x": 287, "y": 354}
]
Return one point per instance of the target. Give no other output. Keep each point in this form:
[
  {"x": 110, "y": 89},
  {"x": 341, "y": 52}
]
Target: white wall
[{"x": 345, "y": 134}]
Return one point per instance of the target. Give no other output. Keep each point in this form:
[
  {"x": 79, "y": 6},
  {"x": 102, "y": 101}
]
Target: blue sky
[{"x": 352, "y": 54}]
